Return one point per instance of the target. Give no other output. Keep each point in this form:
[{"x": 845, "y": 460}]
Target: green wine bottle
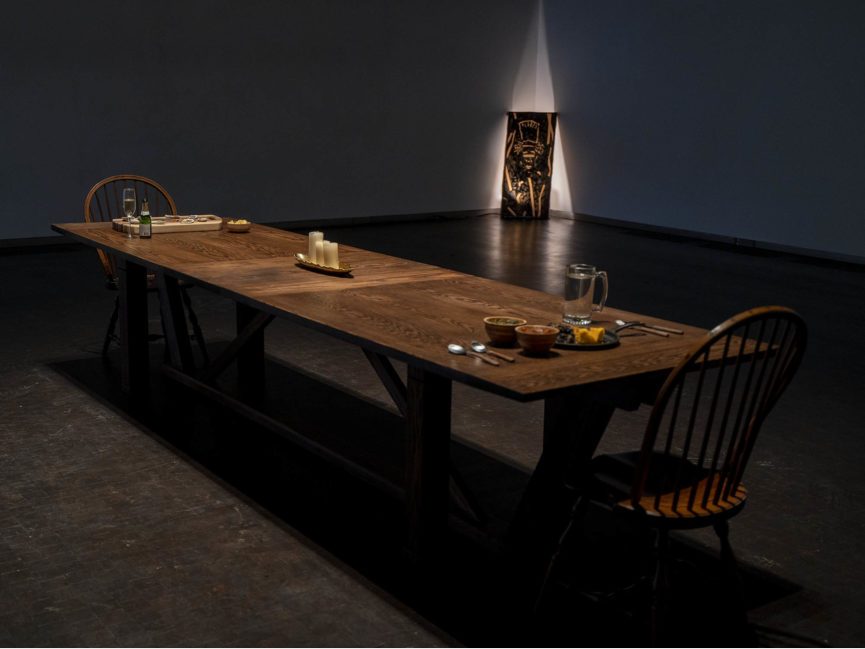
[{"x": 145, "y": 224}]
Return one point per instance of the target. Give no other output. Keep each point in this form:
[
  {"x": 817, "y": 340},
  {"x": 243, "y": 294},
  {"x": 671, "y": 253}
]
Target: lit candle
[
  {"x": 331, "y": 254},
  {"x": 319, "y": 253},
  {"x": 314, "y": 237}
]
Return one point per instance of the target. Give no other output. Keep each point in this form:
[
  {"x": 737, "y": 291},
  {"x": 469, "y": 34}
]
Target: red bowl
[{"x": 536, "y": 339}]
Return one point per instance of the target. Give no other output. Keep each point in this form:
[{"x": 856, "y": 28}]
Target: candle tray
[{"x": 303, "y": 261}]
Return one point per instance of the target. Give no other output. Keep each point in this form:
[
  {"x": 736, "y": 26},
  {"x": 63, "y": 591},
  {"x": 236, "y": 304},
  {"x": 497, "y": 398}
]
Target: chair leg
[
  {"x": 731, "y": 571},
  {"x": 196, "y": 328},
  {"x": 728, "y": 559},
  {"x": 577, "y": 512},
  {"x": 112, "y": 325},
  {"x": 660, "y": 585}
]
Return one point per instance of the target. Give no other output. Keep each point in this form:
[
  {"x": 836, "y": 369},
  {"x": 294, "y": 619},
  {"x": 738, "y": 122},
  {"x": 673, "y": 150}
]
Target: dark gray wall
[
  {"x": 268, "y": 109},
  {"x": 743, "y": 118}
]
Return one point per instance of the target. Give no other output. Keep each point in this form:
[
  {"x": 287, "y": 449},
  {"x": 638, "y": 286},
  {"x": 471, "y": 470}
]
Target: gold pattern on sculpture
[{"x": 528, "y": 165}]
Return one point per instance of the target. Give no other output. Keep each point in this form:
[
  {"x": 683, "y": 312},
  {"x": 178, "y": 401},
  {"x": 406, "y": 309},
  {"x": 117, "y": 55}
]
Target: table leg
[
  {"x": 574, "y": 422},
  {"x": 250, "y": 357},
  {"x": 428, "y": 427},
  {"x": 134, "y": 352}
]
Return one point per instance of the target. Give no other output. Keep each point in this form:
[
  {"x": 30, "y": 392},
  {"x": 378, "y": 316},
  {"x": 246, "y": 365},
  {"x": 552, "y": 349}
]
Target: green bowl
[{"x": 501, "y": 329}]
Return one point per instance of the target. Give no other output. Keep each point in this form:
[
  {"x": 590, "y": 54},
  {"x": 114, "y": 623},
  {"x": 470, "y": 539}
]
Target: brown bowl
[
  {"x": 536, "y": 339},
  {"x": 237, "y": 227},
  {"x": 500, "y": 329}
]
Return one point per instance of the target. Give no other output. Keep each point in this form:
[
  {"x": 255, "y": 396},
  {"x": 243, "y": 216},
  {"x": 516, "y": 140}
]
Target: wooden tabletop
[{"x": 403, "y": 309}]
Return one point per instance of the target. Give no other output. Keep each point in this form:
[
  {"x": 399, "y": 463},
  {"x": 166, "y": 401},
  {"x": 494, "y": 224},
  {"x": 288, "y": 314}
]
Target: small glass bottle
[{"x": 145, "y": 224}]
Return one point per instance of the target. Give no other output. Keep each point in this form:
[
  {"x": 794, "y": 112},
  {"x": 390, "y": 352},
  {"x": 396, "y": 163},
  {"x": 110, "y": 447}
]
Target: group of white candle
[{"x": 321, "y": 252}]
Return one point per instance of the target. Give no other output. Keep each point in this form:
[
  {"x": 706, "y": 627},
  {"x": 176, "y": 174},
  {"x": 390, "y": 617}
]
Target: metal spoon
[
  {"x": 453, "y": 348},
  {"x": 480, "y": 348}
]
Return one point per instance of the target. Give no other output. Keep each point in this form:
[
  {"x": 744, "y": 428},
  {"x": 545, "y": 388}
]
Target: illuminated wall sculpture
[{"x": 528, "y": 165}]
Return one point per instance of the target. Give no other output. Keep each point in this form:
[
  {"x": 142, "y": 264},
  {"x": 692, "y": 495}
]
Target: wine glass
[{"x": 129, "y": 204}]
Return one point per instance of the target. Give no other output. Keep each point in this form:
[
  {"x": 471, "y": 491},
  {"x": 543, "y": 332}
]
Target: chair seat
[{"x": 613, "y": 476}]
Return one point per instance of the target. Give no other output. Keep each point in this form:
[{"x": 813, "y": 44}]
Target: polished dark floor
[{"x": 186, "y": 526}]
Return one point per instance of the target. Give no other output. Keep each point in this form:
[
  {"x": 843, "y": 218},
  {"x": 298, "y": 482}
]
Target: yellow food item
[
  {"x": 589, "y": 335},
  {"x": 238, "y": 222}
]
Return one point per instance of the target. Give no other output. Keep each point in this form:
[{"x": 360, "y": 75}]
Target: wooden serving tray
[
  {"x": 304, "y": 262},
  {"x": 169, "y": 223}
]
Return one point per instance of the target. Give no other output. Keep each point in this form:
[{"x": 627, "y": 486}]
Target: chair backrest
[
  {"x": 104, "y": 202},
  {"x": 709, "y": 411}
]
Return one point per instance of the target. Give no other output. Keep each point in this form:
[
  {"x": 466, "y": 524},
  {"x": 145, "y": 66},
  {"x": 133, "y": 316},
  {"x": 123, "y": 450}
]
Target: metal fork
[{"x": 642, "y": 326}]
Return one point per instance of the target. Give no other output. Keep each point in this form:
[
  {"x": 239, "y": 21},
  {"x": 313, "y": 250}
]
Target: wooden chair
[
  {"x": 104, "y": 203},
  {"x": 697, "y": 442}
]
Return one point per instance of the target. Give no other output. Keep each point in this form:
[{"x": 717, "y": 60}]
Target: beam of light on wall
[
  {"x": 533, "y": 92},
  {"x": 496, "y": 160}
]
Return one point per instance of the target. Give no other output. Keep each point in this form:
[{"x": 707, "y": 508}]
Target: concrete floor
[
  {"x": 110, "y": 538},
  {"x": 129, "y": 531}
]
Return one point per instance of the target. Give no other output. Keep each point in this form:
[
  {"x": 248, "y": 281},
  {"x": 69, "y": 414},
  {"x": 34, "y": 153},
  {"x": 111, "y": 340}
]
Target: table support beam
[
  {"x": 390, "y": 379},
  {"x": 174, "y": 322},
  {"x": 252, "y": 331},
  {"x": 260, "y": 418}
]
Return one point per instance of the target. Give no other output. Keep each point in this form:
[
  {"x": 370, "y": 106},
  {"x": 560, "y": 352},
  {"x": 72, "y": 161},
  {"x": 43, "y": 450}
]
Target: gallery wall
[
  {"x": 741, "y": 118},
  {"x": 265, "y": 109},
  {"x": 728, "y": 117}
]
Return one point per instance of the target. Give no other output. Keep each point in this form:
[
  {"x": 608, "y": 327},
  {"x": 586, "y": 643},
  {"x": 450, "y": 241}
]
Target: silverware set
[
  {"x": 481, "y": 351},
  {"x": 645, "y": 327},
  {"x": 459, "y": 350}
]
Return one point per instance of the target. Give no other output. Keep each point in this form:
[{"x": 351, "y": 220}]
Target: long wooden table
[{"x": 391, "y": 308}]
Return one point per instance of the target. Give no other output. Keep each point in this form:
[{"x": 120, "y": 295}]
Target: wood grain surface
[{"x": 406, "y": 310}]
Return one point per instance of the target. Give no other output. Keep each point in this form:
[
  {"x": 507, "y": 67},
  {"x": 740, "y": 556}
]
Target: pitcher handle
[{"x": 601, "y": 274}]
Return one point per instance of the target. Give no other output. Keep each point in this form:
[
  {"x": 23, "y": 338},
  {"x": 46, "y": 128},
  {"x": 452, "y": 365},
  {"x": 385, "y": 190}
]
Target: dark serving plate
[{"x": 611, "y": 339}]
